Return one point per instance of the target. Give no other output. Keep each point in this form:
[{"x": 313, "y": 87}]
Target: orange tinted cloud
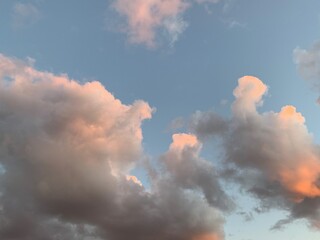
[
  {"x": 289, "y": 113},
  {"x": 183, "y": 140},
  {"x": 271, "y": 154},
  {"x": 209, "y": 236},
  {"x": 279, "y": 140},
  {"x": 134, "y": 179},
  {"x": 248, "y": 94}
]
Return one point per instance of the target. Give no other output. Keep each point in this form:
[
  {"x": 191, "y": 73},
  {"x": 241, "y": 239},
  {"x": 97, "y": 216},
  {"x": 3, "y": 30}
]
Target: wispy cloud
[
  {"x": 147, "y": 21},
  {"x": 25, "y": 14},
  {"x": 308, "y": 62}
]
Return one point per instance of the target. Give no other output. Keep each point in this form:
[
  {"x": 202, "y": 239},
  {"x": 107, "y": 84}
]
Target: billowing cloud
[
  {"x": 147, "y": 20},
  {"x": 190, "y": 171},
  {"x": 66, "y": 150},
  {"x": 272, "y": 155},
  {"x": 25, "y": 14}
]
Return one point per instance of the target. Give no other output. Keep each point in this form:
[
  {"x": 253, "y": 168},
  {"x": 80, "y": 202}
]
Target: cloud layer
[{"x": 66, "y": 154}]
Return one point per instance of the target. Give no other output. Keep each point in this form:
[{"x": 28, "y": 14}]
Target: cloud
[
  {"x": 276, "y": 144},
  {"x": 247, "y": 216},
  {"x": 145, "y": 21},
  {"x": 207, "y": 124},
  {"x": 207, "y": 1},
  {"x": 271, "y": 155},
  {"x": 25, "y": 14},
  {"x": 66, "y": 151},
  {"x": 190, "y": 171},
  {"x": 308, "y": 62}
]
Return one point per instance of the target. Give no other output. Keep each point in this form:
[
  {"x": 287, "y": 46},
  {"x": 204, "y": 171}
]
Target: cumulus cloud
[
  {"x": 272, "y": 155},
  {"x": 25, "y": 14},
  {"x": 192, "y": 172},
  {"x": 147, "y": 20},
  {"x": 66, "y": 150}
]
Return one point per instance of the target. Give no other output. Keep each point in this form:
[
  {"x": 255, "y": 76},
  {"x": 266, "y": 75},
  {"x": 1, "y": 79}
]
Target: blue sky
[{"x": 221, "y": 41}]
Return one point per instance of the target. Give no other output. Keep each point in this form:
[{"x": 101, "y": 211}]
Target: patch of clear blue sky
[{"x": 201, "y": 70}]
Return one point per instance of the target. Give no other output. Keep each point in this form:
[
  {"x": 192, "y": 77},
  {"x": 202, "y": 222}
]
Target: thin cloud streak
[{"x": 25, "y": 14}]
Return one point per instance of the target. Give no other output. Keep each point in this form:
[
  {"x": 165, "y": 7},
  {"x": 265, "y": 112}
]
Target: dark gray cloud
[{"x": 207, "y": 124}]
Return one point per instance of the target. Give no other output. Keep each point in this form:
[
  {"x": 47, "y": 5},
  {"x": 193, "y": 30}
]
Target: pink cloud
[{"x": 145, "y": 19}]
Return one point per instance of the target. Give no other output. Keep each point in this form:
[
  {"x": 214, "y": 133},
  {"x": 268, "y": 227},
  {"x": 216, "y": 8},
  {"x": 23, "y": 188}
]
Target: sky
[{"x": 159, "y": 120}]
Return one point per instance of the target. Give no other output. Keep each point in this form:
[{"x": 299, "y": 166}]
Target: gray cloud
[
  {"x": 66, "y": 151},
  {"x": 191, "y": 171},
  {"x": 247, "y": 216},
  {"x": 271, "y": 155},
  {"x": 207, "y": 124},
  {"x": 308, "y": 62}
]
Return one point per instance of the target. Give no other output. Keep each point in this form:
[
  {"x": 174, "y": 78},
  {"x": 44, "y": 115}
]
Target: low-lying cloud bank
[{"x": 66, "y": 151}]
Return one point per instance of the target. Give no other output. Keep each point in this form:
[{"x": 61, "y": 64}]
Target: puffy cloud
[
  {"x": 190, "y": 171},
  {"x": 272, "y": 155},
  {"x": 66, "y": 150},
  {"x": 248, "y": 94},
  {"x": 147, "y": 20},
  {"x": 277, "y": 144}
]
